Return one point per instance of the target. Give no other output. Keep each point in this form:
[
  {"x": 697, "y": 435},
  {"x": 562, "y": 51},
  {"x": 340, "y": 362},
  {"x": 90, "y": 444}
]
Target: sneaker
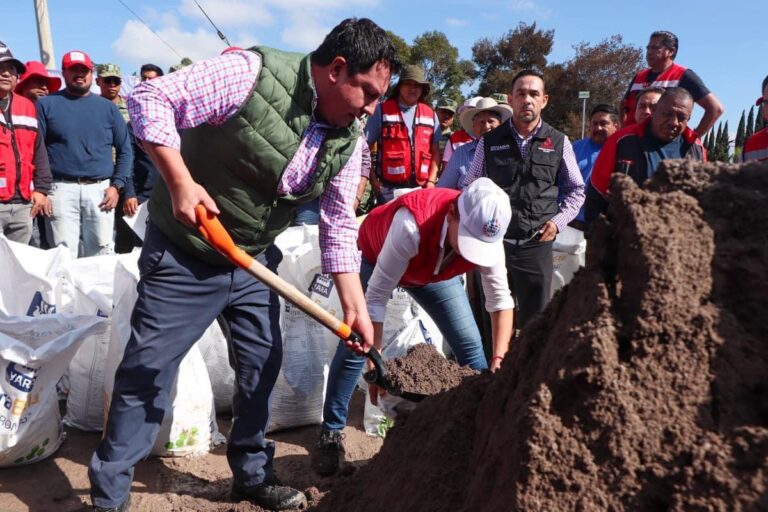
[
  {"x": 327, "y": 453},
  {"x": 271, "y": 496},
  {"x": 123, "y": 507}
]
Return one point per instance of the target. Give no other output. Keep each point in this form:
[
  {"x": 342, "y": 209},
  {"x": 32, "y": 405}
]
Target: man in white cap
[
  {"x": 486, "y": 115},
  {"x": 423, "y": 241}
]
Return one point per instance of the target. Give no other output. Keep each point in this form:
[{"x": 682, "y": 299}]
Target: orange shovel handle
[{"x": 213, "y": 231}]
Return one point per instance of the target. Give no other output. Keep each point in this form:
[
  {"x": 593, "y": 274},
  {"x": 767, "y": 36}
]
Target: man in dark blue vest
[{"x": 534, "y": 164}]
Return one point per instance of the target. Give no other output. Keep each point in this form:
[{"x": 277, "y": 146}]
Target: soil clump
[
  {"x": 642, "y": 386},
  {"x": 425, "y": 371}
]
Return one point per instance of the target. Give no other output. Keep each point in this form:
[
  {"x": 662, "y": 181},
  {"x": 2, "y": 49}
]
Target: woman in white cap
[
  {"x": 423, "y": 241},
  {"x": 484, "y": 116}
]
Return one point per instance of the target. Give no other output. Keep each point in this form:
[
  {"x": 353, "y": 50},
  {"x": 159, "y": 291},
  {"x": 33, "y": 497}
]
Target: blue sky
[{"x": 724, "y": 42}]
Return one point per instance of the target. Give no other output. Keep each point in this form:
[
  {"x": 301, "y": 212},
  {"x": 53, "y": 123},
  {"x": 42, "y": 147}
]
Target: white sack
[
  {"x": 85, "y": 288},
  {"x": 34, "y": 352},
  {"x": 30, "y": 275},
  {"x": 568, "y": 255},
  {"x": 189, "y": 426}
]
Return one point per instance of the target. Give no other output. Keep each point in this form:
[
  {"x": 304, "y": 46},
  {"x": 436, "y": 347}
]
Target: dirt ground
[
  {"x": 60, "y": 483},
  {"x": 641, "y": 387}
]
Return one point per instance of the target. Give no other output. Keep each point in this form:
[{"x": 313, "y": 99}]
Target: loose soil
[
  {"x": 642, "y": 386},
  {"x": 201, "y": 484},
  {"x": 425, "y": 371}
]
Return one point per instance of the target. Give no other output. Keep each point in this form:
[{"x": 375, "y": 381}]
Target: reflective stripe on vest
[
  {"x": 459, "y": 138},
  {"x": 17, "y": 145},
  {"x": 756, "y": 147},
  {"x": 668, "y": 78},
  {"x": 402, "y": 162}
]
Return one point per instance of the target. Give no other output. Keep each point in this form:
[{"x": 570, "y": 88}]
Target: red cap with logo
[{"x": 76, "y": 57}]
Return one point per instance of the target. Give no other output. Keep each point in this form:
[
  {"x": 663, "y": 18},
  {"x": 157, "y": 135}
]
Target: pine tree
[
  {"x": 716, "y": 143},
  {"x": 759, "y": 123},
  {"x": 741, "y": 130},
  {"x": 750, "y": 123},
  {"x": 725, "y": 143}
]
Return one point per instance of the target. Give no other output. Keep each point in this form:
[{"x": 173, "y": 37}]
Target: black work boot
[
  {"x": 327, "y": 453},
  {"x": 271, "y": 496},
  {"x": 123, "y": 507}
]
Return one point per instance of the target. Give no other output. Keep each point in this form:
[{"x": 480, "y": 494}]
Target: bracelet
[
  {"x": 359, "y": 199},
  {"x": 497, "y": 357}
]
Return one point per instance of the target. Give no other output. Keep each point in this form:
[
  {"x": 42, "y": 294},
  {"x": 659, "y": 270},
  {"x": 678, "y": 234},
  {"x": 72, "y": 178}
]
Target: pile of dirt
[
  {"x": 642, "y": 386},
  {"x": 425, "y": 371}
]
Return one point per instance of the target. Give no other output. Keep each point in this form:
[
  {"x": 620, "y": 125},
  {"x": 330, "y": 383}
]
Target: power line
[
  {"x": 150, "y": 29},
  {"x": 218, "y": 32}
]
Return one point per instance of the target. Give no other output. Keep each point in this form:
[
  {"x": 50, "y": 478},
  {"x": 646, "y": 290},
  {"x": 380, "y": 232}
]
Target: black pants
[{"x": 529, "y": 271}]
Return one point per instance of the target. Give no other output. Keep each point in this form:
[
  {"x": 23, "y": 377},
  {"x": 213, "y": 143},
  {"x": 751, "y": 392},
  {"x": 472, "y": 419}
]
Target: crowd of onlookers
[{"x": 267, "y": 139}]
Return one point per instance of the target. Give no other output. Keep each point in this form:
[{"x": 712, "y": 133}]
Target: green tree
[
  {"x": 441, "y": 64},
  {"x": 741, "y": 130},
  {"x": 725, "y": 144},
  {"x": 604, "y": 69},
  {"x": 759, "y": 123},
  {"x": 402, "y": 49},
  {"x": 524, "y": 47},
  {"x": 750, "y": 122}
]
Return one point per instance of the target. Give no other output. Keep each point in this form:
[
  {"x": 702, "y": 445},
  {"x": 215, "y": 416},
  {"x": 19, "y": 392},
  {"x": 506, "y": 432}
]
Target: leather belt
[{"x": 81, "y": 180}]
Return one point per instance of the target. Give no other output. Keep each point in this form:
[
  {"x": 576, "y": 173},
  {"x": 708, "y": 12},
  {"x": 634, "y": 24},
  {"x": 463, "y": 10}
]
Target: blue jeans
[
  {"x": 179, "y": 297},
  {"x": 77, "y": 222},
  {"x": 308, "y": 214},
  {"x": 446, "y": 302}
]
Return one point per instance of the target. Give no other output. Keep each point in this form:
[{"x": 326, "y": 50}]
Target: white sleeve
[
  {"x": 496, "y": 287},
  {"x": 401, "y": 244}
]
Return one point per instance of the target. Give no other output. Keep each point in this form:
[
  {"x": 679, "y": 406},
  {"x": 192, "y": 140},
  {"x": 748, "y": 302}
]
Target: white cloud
[
  {"x": 228, "y": 13},
  {"x": 456, "y": 22},
  {"x": 304, "y": 34},
  {"x": 300, "y": 24},
  {"x": 137, "y": 45}
]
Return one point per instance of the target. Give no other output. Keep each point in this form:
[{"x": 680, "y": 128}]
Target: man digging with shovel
[
  {"x": 424, "y": 241},
  {"x": 264, "y": 131}
]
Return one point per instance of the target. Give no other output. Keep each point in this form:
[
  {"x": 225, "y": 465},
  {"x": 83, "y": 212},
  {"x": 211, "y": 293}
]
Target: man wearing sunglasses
[{"x": 109, "y": 82}]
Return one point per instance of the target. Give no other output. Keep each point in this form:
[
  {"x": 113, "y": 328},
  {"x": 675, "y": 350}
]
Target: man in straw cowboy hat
[
  {"x": 486, "y": 115},
  {"x": 406, "y": 132}
]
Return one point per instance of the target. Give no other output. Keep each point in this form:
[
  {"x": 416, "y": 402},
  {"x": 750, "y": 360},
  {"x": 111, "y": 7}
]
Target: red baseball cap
[
  {"x": 35, "y": 68},
  {"x": 76, "y": 57}
]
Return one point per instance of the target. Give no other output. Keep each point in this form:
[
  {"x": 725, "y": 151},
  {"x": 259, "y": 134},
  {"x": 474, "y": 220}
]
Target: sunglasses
[{"x": 111, "y": 80}]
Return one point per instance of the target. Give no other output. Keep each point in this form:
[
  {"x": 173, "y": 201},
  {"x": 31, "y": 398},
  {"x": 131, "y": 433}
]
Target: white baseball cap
[{"x": 484, "y": 215}]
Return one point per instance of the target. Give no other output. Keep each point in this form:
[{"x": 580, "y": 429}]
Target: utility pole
[
  {"x": 44, "y": 34},
  {"x": 584, "y": 96}
]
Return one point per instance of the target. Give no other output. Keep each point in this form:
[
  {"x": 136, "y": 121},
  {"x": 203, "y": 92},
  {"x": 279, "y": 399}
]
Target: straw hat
[{"x": 483, "y": 105}]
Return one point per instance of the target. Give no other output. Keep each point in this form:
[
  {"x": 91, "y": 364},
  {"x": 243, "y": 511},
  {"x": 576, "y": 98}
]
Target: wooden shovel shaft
[{"x": 213, "y": 231}]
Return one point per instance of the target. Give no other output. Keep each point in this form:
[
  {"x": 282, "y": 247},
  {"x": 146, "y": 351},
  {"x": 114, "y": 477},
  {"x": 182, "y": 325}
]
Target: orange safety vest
[
  {"x": 403, "y": 163},
  {"x": 17, "y": 148}
]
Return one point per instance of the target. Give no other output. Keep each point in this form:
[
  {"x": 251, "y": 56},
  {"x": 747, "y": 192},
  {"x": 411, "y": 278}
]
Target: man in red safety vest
[
  {"x": 406, "y": 132},
  {"x": 664, "y": 72},
  {"x": 25, "y": 176},
  {"x": 756, "y": 146}
]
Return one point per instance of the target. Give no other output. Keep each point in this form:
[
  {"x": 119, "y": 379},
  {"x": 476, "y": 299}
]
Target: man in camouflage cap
[
  {"x": 445, "y": 108},
  {"x": 109, "y": 81},
  {"x": 500, "y": 98}
]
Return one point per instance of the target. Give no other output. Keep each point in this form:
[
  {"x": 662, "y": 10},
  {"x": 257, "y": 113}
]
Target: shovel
[{"x": 214, "y": 232}]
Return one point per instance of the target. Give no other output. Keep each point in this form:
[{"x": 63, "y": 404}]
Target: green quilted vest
[{"x": 241, "y": 162}]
